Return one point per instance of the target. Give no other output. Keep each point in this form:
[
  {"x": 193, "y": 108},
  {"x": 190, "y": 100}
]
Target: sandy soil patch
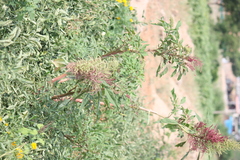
[{"x": 156, "y": 91}]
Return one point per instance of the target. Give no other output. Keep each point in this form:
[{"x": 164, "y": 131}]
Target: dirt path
[{"x": 156, "y": 91}]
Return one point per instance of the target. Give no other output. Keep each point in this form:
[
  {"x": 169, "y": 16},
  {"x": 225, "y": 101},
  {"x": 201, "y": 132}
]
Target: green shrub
[{"x": 37, "y": 40}]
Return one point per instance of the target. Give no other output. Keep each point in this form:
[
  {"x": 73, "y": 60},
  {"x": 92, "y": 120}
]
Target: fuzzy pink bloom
[
  {"x": 193, "y": 62},
  {"x": 127, "y": 96},
  {"x": 190, "y": 66},
  {"x": 92, "y": 75},
  {"x": 205, "y": 136}
]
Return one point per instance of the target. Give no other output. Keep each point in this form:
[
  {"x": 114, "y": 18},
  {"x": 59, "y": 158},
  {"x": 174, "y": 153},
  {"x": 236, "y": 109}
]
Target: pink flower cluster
[
  {"x": 92, "y": 75},
  {"x": 204, "y": 137},
  {"x": 193, "y": 62}
]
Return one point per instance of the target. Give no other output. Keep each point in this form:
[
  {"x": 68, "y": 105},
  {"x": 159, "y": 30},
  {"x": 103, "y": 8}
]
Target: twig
[
  {"x": 151, "y": 111},
  {"x": 58, "y": 77},
  {"x": 62, "y": 95},
  {"x": 42, "y": 129},
  {"x": 102, "y": 103},
  {"x": 118, "y": 51}
]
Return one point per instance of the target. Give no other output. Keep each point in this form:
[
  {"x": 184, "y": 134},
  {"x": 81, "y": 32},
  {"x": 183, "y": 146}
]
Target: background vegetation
[
  {"x": 206, "y": 48},
  {"x": 229, "y": 36}
]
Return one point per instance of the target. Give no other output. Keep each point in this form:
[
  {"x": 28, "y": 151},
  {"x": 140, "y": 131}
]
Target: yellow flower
[
  {"x": 8, "y": 132},
  {"x": 120, "y": 1},
  {"x": 131, "y": 8},
  {"x": 0, "y": 119},
  {"x": 118, "y": 18},
  {"x": 19, "y": 155},
  {"x": 6, "y": 124},
  {"x": 13, "y": 143},
  {"x": 34, "y": 145},
  {"x": 125, "y": 3},
  {"x": 19, "y": 150},
  {"x": 130, "y": 20}
]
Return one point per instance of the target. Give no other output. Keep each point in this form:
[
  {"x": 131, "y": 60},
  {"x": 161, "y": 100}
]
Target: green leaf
[
  {"x": 110, "y": 98},
  {"x": 158, "y": 70},
  {"x": 36, "y": 42},
  {"x": 33, "y": 132},
  {"x": 171, "y": 127},
  {"x": 183, "y": 100},
  {"x": 40, "y": 140},
  {"x": 180, "y": 144},
  {"x": 14, "y": 34},
  {"x": 174, "y": 72},
  {"x": 58, "y": 63},
  {"x": 6, "y": 42},
  {"x": 169, "y": 121},
  {"x": 64, "y": 103},
  {"x": 173, "y": 94},
  {"x": 85, "y": 100},
  {"x": 198, "y": 117},
  {"x": 163, "y": 72},
  {"x": 179, "y": 77},
  {"x": 40, "y": 126},
  {"x": 24, "y": 80},
  {"x": 24, "y": 131},
  {"x": 5, "y": 23},
  {"x": 178, "y": 25}
]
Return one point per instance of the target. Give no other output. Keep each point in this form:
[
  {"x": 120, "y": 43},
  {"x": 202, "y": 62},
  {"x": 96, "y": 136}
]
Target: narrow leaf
[
  {"x": 158, "y": 70},
  {"x": 198, "y": 117},
  {"x": 180, "y": 144},
  {"x": 178, "y": 25},
  {"x": 6, "y": 42},
  {"x": 173, "y": 94},
  {"x": 183, "y": 100},
  {"x": 5, "y": 23},
  {"x": 110, "y": 98},
  {"x": 59, "y": 62},
  {"x": 173, "y": 73},
  {"x": 163, "y": 72},
  {"x": 85, "y": 100},
  {"x": 179, "y": 77},
  {"x": 169, "y": 121}
]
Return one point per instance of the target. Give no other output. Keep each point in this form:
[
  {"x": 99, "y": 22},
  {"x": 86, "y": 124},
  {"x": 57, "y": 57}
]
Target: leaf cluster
[{"x": 171, "y": 50}]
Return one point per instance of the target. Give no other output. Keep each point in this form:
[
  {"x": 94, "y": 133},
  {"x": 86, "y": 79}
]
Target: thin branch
[
  {"x": 118, "y": 51},
  {"x": 102, "y": 103},
  {"x": 62, "y": 95},
  {"x": 58, "y": 77},
  {"x": 151, "y": 111},
  {"x": 42, "y": 129}
]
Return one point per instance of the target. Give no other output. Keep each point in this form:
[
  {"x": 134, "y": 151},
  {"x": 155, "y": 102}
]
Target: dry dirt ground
[{"x": 156, "y": 91}]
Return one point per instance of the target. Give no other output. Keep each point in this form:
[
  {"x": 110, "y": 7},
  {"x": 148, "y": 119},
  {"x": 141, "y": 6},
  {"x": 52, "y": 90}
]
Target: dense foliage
[{"x": 37, "y": 40}]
